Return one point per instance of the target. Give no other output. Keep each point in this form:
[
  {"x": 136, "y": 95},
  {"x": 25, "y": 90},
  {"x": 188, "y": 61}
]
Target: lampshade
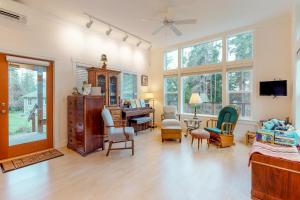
[
  {"x": 149, "y": 95},
  {"x": 195, "y": 99}
]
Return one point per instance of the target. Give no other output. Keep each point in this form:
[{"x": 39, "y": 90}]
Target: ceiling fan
[{"x": 170, "y": 23}]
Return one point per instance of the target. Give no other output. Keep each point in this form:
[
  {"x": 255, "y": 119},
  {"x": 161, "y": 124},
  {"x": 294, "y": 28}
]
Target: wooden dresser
[
  {"x": 274, "y": 178},
  {"x": 85, "y": 124}
]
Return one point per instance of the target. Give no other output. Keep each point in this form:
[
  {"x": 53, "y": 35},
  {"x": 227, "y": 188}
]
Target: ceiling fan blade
[
  {"x": 175, "y": 30},
  {"x": 185, "y": 21},
  {"x": 159, "y": 29}
]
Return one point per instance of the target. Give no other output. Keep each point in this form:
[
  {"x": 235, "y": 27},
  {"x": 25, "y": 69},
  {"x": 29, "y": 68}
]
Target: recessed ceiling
[{"x": 213, "y": 16}]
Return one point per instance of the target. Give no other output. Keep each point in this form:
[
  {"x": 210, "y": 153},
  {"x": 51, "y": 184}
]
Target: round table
[{"x": 191, "y": 124}]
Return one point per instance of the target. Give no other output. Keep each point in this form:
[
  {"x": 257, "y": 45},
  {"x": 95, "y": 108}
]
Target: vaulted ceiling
[{"x": 213, "y": 16}]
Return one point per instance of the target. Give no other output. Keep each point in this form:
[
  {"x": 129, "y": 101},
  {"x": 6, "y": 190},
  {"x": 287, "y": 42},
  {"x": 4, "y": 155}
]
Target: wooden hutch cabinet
[{"x": 108, "y": 80}]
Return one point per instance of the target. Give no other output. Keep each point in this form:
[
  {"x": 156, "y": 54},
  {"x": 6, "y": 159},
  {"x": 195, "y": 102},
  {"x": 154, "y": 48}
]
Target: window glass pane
[
  {"x": 239, "y": 90},
  {"x": 202, "y": 54},
  {"x": 239, "y": 47},
  {"x": 171, "y": 60},
  {"x": 129, "y": 86},
  {"x": 171, "y": 91},
  {"x": 209, "y": 87}
]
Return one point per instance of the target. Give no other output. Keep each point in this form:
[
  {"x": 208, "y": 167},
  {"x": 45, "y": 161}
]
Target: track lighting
[
  {"x": 90, "y": 23},
  {"x": 108, "y": 32},
  {"x": 125, "y": 38},
  {"x": 139, "y": 43},
  {"x": 111, "y": 27}
]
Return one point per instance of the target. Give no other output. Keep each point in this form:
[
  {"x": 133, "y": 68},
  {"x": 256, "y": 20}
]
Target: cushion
[
  {"x": 170, "y": 122},
  {"x": 227, "y": 114},
  {"x": 269, "y": 125},
  {"x": 117, "y": 134},
  {"x": 201, "y": 133},
  {"x": 170, "y": 115},
  {"x": 214, "y": 130},
  {"x": 107, "y": 118}
]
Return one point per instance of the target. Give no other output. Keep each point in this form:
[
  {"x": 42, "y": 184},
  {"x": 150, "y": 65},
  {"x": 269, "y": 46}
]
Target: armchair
[
  {"x": 170, "y": 117},
  {"x": 117, "y": 132},
  {"x": 221, "y": 129}
]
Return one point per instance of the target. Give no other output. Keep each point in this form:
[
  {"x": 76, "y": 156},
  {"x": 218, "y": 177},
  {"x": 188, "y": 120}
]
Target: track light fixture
[
  {"x": 90, "y": 23},
  {"x": 139, "y": 43},
  {"x": 125, "y": 38},
  {"x": 108, "y": 32},
  {"x": 112, "y": 27}
]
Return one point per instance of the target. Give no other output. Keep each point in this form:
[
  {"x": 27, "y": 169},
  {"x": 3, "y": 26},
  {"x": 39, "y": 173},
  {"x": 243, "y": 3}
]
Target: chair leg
[
  {"x": 207, "y": 143},
  {"x": 192, "y": 140},
  {"x": 109, "y": 147},
  {"x": 198, "y": 143},
  {"x": 132, "y": 147},
  {"x": 125, "y": 144}
]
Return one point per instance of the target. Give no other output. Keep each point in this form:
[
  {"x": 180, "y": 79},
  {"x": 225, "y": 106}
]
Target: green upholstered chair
[{"x": 221, "y": 129}]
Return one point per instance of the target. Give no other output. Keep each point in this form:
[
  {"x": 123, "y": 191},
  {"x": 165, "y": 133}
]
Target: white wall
[
  {"x": 51, "y": 38},
  {"x": 272, "y": 59}
]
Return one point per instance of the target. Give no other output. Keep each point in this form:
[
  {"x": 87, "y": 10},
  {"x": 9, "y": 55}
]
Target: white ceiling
[{"x": 213, "y": 16}]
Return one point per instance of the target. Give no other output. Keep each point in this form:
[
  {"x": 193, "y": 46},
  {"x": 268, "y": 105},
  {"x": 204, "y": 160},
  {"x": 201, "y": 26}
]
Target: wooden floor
[{"x": 157, "y": 171}]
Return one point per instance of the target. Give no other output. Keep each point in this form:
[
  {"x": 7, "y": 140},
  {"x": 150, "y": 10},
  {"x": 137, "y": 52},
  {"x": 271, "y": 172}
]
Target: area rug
[{"x": 29, "y": 160}]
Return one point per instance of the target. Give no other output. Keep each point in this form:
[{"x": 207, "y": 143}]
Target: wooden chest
[{"x": 85, "y": 124}]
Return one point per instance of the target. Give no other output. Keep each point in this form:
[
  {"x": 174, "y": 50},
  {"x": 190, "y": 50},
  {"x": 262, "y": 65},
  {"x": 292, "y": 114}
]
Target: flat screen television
[{"x": 273, "y": 88}]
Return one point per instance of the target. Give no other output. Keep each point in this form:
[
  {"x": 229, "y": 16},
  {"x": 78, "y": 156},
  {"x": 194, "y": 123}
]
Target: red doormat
[{"x": 29, "y": 160}]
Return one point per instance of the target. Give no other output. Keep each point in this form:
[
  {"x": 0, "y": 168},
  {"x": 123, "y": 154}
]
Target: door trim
[{"x": 21, "y": 149}]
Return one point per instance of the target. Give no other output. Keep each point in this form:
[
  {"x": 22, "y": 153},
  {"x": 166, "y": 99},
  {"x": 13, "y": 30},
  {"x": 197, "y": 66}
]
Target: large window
[
  {"x": 209, "y": 86},
  {"x": 239, "y": 47},
  {"x": 171, "y": 60},
  {"x": 171, "y": 90},
  {"x": 239, "y": 90},
  {"x": 129, "y": 86},
  {"x": 202, "y": 54}
]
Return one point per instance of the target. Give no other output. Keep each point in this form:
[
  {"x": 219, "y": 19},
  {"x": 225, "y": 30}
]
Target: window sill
[{"x": 241, "y": 120}]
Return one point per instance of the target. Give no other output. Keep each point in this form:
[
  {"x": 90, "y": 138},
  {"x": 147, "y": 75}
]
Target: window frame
[
  {"x": 135, "y": 93},
  {"x": 241, "y": 69},
  {"x": 164, "y": 89},
  {"x": 224, "y": 66},
  {"x": 199, "y": 43},
  {"x": 226, "y": 47},
  {"x": 199, "y": 74},
  {"x": 178, "y": 58}
]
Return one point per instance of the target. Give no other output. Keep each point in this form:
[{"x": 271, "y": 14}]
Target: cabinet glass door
[
  {"x": 102, "y": 83},
  {"x": 113, "y": 88}
]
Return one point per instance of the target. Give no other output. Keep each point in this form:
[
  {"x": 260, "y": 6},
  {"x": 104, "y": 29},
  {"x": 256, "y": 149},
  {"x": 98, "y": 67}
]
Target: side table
[{"x": 191, "y": 124}]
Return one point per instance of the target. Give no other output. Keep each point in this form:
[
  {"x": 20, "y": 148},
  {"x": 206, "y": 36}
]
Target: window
[
  {"x": 239, "y": 47},
  {"x": 239, "y": 90},
  {"x": 209, "y": 86},
  {"x": 171, "y": 90},
  {"x": 81, "y": 75},
  {"x": 171, "y": 60},
  {"x": 129, "y": 86},
  {"x": 202, "y": 54}
]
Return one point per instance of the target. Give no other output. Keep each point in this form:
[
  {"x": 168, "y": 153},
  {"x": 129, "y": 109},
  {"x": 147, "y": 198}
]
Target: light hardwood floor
[{"x": 167, "y": 171}]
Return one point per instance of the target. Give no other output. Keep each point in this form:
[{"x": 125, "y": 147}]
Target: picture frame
[
  {"x": 144, "y": 80},
  {"x": 133, "y": 104}
]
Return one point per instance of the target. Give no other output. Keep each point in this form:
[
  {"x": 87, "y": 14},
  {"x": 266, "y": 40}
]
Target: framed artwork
[
  {"x": 144, "y": 80},
  {"x": 142, "y": 102},
  {"x": 133, "y": 103}
]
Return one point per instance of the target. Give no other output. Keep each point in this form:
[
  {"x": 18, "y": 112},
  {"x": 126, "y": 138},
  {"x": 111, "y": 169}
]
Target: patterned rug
[{"x": 29, "y": 160}]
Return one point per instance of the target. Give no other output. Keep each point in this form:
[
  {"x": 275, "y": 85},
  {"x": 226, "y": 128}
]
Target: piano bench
[{"x": 140, "y": 123}]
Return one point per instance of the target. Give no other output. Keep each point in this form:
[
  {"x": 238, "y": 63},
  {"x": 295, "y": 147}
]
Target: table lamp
[{"x": 195, "y": 99}]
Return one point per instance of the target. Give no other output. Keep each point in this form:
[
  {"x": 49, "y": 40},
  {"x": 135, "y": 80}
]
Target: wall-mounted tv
[{"x": 273, "y": 88}]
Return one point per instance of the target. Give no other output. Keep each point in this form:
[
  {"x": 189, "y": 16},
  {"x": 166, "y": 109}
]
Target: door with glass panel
[{"x": 26, "y": 105}]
